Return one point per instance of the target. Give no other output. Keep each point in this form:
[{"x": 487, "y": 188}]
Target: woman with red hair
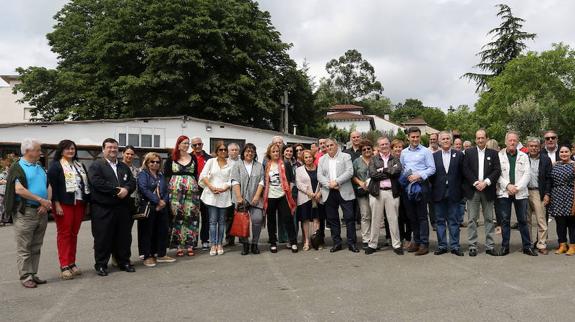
[{"x": 182, "y": 174}]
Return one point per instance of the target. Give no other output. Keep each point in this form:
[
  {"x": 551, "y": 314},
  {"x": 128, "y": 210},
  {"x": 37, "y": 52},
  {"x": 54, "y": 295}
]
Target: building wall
[
  {"x": 385, "y": 126},
  {"x": 161, "y": 133},
  {"x": 10, "y": 110},
  {"x": 361, "y": 126}
]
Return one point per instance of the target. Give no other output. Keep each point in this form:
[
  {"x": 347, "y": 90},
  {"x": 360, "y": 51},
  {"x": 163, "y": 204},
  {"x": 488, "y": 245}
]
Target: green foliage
[
  {"x": 526, "y": 117},
  {"x": 434, "y": 116},
  {"x": 352, "y": 78},
  {"x": 545, "y": 80},
  {"x": 381, "y": 106},
  {"x": 509, "y": 42},
  {"x": 464, "y": 120},
  {"x": 213, "y": 59}
]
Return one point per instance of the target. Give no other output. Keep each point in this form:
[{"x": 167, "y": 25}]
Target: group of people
[{"x": 188, "y": 200}]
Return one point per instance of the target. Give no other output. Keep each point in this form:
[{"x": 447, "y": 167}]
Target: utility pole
[{"x": 285, "y": 118}]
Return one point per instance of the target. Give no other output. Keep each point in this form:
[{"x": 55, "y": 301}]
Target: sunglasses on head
[{"x": 549, "y": 138}]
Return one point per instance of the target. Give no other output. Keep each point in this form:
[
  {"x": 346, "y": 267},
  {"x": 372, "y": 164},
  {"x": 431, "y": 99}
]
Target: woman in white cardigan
[
  {"x": 309, "y": 196},
  {"x": 216, "y": 180}
]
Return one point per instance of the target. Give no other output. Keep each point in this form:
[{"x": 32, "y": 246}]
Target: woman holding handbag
[
  {"x": 309, "y": 196},
  {"x": 360, "y": 182},
  {"x": 70, "y": 195},
  {"x": 560, "y": 200},
  {"x": 248, "y": 184},
  {"x": 216, "y": 180},
  {"x": 153, "y": 229},
  {"x": 278, "y": 197}
]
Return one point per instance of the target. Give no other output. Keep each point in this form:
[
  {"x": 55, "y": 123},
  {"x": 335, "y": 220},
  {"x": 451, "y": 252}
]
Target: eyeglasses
[
  {"x": 549, "y": 138},
  {"x": 220, "y": 150},
  {"x": 299, "y": 150},
  {"x": 197, "y": 144},
  {"x": 154, "y": 162},
  {"x": 366, "y": 149}
]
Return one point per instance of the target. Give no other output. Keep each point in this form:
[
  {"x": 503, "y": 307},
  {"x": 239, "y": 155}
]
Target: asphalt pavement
[{"x": 307, "y": 286}]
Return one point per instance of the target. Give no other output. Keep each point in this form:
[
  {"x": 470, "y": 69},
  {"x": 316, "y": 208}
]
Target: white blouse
[{"x": 219, "y": 178}]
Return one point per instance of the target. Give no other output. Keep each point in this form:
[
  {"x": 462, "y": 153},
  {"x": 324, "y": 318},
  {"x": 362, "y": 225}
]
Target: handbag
[
  {"x": 144, "y": 211},
  {"x": 241, "y": 223}
]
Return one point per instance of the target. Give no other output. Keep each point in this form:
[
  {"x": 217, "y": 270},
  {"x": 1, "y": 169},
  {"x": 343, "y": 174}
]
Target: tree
[
  {"x": 434, "y": 117},
  {"x": 526, "y": 117},
  {"x": 462, "y": 119},
  {"x": 213, "y": 59},
  {"x": 352, "y": 77},
  {"x": 546, "y": 77},
  {"x": 508, "y": 43},
  {"x": 409, "y": 109}
]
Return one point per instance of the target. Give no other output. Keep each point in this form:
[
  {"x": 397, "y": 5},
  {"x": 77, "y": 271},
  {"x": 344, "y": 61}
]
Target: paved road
[{"x": 308, "y": 286}]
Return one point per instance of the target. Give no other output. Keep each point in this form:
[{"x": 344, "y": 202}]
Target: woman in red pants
[{"x": 70, "y": 195}]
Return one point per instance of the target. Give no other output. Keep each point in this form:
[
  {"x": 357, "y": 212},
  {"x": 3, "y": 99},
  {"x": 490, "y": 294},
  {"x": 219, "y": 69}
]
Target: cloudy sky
[{"x": 419, "y": 48}]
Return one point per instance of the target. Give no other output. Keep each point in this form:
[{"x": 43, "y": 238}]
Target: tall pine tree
[{"x": 508, "y": 43}]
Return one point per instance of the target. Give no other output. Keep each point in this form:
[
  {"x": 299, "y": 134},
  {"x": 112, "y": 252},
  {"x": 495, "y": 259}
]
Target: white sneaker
[{"x": 165, "y": 259}]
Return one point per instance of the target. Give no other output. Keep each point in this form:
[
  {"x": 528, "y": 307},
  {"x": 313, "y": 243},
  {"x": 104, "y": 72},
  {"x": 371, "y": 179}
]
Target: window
[
  {"x": 146, "y": 140},
  {"x": 134, "y": 139},
  {"x": 122, "y": 139},
  {"x": 213, "y": 141},
  {"x": 156, "y": 141}
]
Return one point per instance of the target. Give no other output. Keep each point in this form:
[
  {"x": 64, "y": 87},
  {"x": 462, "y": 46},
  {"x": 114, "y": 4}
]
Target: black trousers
[
  {"x": 565, "y": 224},
  {"x": 229, "y": 221},
  {"x": 111, "y": 229},
  {"x": 280, "y": 205},
  {"x": 332, "y": 204},
  {"x": 404, "y": 224},
  {"x": 418, "y": 217},
  {"x": 153, "y": 234},
  {"x": 205, "y": 223}
]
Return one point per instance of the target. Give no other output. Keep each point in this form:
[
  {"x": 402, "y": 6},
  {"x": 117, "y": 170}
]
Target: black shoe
[
  {"x": 246, "y": 249},
  {"x": 398, "y": 251},
  {"x": 274, "y": 248},
  {"x": 530, "y": 252},
  {"x": 335, "y": 248},
  {"x": 440, "y": 251},
  {"x": 473, "y": 252},
  {"x": 255, "y": 249},
  {"x": 492, "y": 252},
  {"x": 353, "y": 248},
  {"x": 231, "y": 242},
  {"x": 128, "y": 268},
  {"x": 364, "y": 246},
  {"x": 369, "y": 251},
  {"x": 457, "y": 252},
  {"x": 503, "y": 251},
  {"x": 102, "y": 271},
  {"x": 294, "y": 248}
]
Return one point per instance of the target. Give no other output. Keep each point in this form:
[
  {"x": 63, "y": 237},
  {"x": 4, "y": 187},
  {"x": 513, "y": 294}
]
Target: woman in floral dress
[{"x": 181, "y": 171}]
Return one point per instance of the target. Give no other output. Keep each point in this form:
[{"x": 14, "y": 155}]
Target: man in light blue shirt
[{"x": 418, "y": 161}]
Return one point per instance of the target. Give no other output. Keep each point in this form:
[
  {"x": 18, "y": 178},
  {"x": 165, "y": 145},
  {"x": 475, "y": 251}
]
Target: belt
[
  {"x": 32, "y": 206},
  {"x": 385, "y": 189},
  {"x": 532, "y": 188}
]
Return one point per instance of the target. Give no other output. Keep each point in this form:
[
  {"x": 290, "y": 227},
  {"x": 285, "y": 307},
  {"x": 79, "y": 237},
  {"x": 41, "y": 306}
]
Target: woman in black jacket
[
  {"x": 70, "y": 195},
  {"x": 153, "y": 231}
]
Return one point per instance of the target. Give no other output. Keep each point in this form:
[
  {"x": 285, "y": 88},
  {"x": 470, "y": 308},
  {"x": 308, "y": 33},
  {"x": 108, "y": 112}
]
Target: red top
[
  {"x": 318, "y": 155},
  {"x": 201, "y": 161}
]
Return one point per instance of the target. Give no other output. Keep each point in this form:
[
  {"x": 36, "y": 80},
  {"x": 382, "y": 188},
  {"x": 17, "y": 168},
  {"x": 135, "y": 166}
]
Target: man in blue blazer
[{"x": 447, "y": 194}]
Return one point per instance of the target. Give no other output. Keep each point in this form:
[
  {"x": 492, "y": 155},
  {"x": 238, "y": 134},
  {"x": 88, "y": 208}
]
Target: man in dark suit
[
  {"x": 481, "y": 170},
  {"x": 111, "y": 183},
  {"x": 539, "y": 184},
  {"x": 446, "y": 194}
]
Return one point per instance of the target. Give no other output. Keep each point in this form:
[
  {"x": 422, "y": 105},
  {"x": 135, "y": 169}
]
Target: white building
[
  {"x": 10, "y": 110},
  {"x": 347, "y": 117},
  {"x": 146, "y": 133}
]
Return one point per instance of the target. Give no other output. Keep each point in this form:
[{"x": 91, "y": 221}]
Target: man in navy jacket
[{"x": 447, "y": 194}]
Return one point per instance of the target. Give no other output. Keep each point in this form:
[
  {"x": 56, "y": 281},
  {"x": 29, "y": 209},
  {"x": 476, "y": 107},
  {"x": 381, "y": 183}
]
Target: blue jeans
[
  {"x": 504, "y": 206},
  {"x": 217, "y": 224},
  {"x": 461, "y": 213},
  {"x": 447, "y": 217}
]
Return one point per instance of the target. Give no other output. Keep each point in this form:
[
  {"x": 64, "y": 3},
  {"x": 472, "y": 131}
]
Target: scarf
[
  {"x": 70, "y": 172},
  {"x": 285, "y": 186}
]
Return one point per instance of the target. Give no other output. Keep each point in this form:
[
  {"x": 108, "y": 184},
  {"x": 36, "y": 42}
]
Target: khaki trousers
[
  {"x": 365, "y": 211},
  {"x": 537, "y": 208},
  {"x": 29, "y": 230},
  {"x": 384, "y": 202}
]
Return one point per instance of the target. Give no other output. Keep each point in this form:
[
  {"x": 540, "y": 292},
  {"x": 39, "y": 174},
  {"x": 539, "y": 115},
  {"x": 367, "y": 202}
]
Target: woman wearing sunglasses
[
  {"x": 216, "y": 180},
  {"x": 153, "y": 231}
]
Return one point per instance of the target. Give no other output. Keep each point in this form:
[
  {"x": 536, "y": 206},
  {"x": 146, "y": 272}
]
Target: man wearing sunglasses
[
  {"x": 551, "y": 146},
  {"x": 202, "y": 157}
]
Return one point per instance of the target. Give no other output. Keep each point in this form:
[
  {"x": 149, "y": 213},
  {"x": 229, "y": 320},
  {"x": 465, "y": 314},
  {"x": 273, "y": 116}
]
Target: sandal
[
  {"x": 191, "y": 251},
  {"x": 306, "y": 247},
  {"x": 180, "y": 253},
  {"x": 66, "y": 274},
  {"x": 75, "y": 270}
]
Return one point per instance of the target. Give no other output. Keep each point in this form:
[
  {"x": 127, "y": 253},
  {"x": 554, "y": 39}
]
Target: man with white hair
[{"x": 27, "y": 200}]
